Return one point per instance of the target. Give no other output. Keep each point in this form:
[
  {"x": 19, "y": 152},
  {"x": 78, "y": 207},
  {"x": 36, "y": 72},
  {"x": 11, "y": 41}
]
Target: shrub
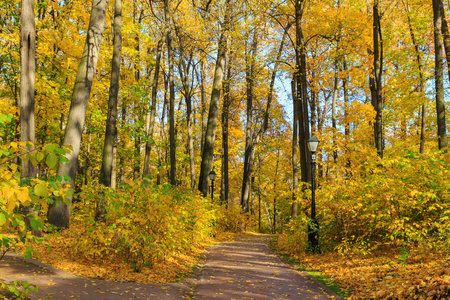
[
  {"x": 389, "y": 202},
  {"x": 143, "y": 224}
]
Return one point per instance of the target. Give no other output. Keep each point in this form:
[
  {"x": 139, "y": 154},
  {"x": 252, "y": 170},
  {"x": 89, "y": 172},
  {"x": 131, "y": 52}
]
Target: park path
[
  {"x": 240, "y": 269},
  {"x": 246, "y": 269}
]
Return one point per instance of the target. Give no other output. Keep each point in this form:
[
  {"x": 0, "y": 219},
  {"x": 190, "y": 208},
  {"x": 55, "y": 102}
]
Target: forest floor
[{"x": 241, "y": 269}]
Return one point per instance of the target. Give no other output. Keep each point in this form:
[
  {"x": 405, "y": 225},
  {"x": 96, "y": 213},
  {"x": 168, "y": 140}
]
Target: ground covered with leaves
[
  {"x": 395, "y": 273},
  {"x": 58, "y": 251}
]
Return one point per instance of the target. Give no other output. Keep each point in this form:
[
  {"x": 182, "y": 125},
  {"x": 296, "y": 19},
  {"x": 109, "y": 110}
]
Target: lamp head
[
  {"x": 212, "y": 175},
  {"x": 312, "y": 144}
]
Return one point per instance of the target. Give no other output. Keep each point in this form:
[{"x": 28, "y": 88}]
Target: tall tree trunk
[
  {"x": 150, "y": 119},
  {"x": 294, "y": 209},
  {"x": 210, "y": 136},
  {"x": 59, "y": 211},
  {"x": 249, "y": 153},
  {"x": 225, "y": 186},
  {"x": 111, "y": 127},
  {"x": 27, "y": 80},
  {"x": 172, "y": 137},
  {"x": 123, "y": 145},
  {"x": 248, "y": 164},
  {"x": 376, "y": 81},
  {"x": 111, "y": 122},
  {"x": 346, "y": 98},
  {"x": 26, "y": 94},
  {"x": 203, "y": 103},
  {"x": 114, "y": 168},
  {"x": 184, "y": 73},
  {"x": 421, "y": 82},
  {"x": 190, "y": 140},
  {"x": 275, "y": 197},
  {"x": 162, "y": 132},
  {"x": 333, "y": 110},
  {"x": 300, "y": 77},
  {"x": 445, "y": 35},
  {"x": 184, "y": 70},
  {"x": 137, "y": 100},
  {"x": 439, "y": 75}
]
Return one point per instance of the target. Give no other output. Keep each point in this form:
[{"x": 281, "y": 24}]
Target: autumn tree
[
  {"x": 111, "y": 127},
  {"x": 59, "y": 211},
  {"x": 210, "y": 135},
  {"x": 376, "y": 78},
  {"x": 439, "y": 75},
  {"x": 27, "y": 81}
]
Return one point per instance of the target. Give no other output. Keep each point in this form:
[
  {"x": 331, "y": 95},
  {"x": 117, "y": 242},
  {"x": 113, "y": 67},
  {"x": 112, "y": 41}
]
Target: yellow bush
[{"x": 143, "y": 223}]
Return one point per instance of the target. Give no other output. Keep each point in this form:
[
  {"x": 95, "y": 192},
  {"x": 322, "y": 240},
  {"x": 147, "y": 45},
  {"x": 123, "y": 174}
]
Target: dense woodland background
[{"x": 137, "y": 95}]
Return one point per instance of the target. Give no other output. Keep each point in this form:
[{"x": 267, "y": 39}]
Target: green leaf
[
  {"x": 35, "y": 224},
  {"x": 28, "y": 252},
  {"x": 40, "y": 156},
  {"x": 2, "y": 219},
  {"x": 41, "y": 190},
  {"x": 51, "y": 161},
  {"x": 50, "y": 147}
]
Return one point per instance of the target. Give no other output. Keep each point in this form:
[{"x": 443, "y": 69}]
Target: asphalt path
[{"x": 240, "y": 269}]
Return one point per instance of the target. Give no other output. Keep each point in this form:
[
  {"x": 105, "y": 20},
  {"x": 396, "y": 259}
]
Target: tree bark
[
  {"x": 150, "y": 119},
  {"x": 111, "y": 127},
  {"x": 26, "y": 94},
  {"x": 203, "y": 103},
  {"x": 294, "y": 209},
  {"x": 225, "y": 186},
  {"x": 187, "y": 91},
  {"x": 421, "y": 82},
  {"x": 275, "y": 193},
  {"x": 445, "y": 35},
  {"x": 27, "y": 81},
  {"x": 333, "y": 110},
  {"x": 249, "y": 146},
  {"x": 253, "y": 142},
  {"x": 439, "y": 74},
  {"x": 184, "y": 70},
  {"x": 300, "y": 75},
  {"x": 376, "y": 81},
  {"x": 210, "y": 135},
  {"x": 172, "y": 137},
  {"x": 122, "y": 157},
  {"x": 346, "y": 98},
  {"x": 137, "y": 100},
  {"x": 111, "y": 120},
  {"x": 59, "y": 211}
]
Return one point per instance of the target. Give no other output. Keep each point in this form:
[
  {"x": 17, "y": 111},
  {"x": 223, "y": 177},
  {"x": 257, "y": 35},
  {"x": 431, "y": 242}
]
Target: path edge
[{"x": 319, "y": 284}]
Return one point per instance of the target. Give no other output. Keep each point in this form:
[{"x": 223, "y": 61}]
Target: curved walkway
[{"x": 241, "y": 269}]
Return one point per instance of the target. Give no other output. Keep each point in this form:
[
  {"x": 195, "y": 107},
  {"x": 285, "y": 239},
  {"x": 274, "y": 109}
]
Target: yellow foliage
[{"x": 144, "y": 224}]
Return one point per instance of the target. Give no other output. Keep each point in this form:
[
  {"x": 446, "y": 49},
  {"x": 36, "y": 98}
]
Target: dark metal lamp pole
[
  {"x": 313, "y": 225},
  {"x": 212, "y": 176}
]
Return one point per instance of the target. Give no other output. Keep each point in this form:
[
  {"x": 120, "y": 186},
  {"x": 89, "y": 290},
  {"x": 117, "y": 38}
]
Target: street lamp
[
  {"x": 212, "y": 176},
  {"x": 313, "y": 225}
]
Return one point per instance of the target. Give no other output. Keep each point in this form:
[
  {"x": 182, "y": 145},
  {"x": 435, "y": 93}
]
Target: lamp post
[
  {"x": 212, "y": 176},
  {"x": 313, "y": 225}
]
